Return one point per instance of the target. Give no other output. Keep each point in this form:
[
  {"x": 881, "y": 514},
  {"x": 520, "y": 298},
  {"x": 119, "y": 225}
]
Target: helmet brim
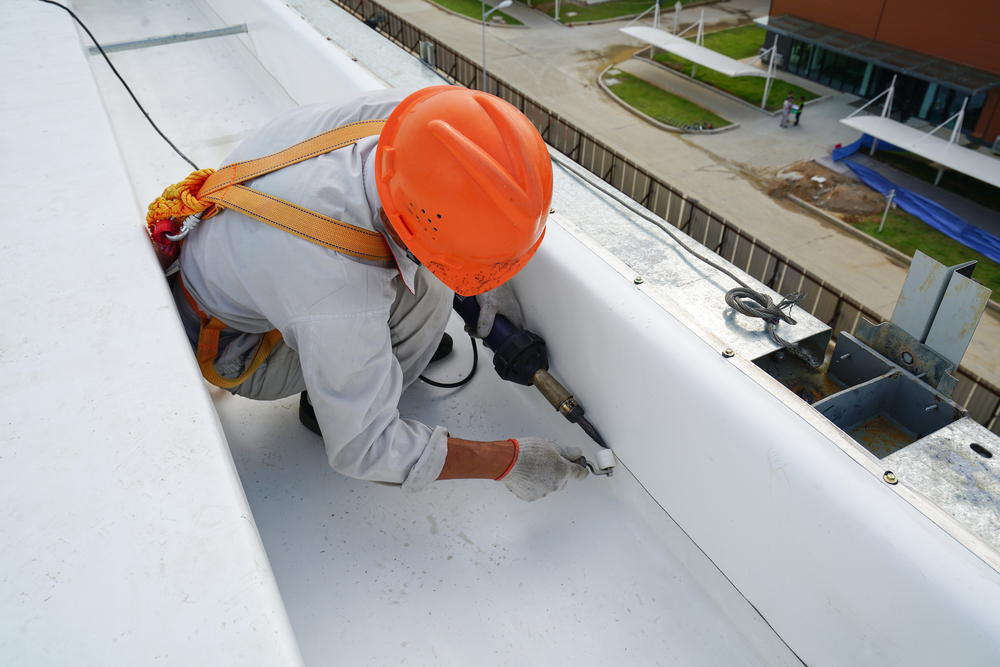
[{"x": 473, "y": 278}]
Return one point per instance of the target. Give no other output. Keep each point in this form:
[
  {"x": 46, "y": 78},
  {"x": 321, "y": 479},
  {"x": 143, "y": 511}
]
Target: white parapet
[{"x": 127, "y": 538}]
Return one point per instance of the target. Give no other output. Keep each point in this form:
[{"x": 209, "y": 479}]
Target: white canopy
[
  {"x": 690, "y": 51},
  {"x": 948, "y": 154}
]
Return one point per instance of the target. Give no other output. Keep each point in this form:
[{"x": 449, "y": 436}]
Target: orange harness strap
[
  {"x": 309, "y": 225},
  {"x": 208, "y": 346},
  {"x": 222, "y": 188}
]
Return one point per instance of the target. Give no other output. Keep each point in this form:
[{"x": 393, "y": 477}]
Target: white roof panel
[
  {"x": 690, "y": 51},
  {"x": 961, "y": 159}
]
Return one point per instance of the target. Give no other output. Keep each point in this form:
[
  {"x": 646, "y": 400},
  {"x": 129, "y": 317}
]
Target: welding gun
[{"x": 520, "y": 356}]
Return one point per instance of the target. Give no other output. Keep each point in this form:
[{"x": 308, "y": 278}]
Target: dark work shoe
[
  {"x": 307, "y": 415},
  {"x": 444, "y": 348}
]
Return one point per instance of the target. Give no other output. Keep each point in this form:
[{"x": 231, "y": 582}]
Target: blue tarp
[
  {"x": 866, "y": 141},
  {"x": 932, "y": 213}
]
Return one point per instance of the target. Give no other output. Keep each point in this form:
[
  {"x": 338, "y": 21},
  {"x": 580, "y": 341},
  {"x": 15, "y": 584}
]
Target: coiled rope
[{"x": 180, "y": 200}]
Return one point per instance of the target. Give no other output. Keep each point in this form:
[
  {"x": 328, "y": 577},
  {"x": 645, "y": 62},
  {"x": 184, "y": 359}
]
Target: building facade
[{"x": 941, "y": 54}]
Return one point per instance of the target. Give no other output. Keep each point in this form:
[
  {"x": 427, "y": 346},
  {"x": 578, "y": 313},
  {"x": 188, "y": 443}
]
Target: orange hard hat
[{"x": 465, "y": 181}]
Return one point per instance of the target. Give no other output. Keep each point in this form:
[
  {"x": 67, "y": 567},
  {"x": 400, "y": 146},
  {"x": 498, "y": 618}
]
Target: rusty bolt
[{"x": 890, "y": 477}]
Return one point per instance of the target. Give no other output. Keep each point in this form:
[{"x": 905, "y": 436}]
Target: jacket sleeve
[{"x": 354, "y": 384}]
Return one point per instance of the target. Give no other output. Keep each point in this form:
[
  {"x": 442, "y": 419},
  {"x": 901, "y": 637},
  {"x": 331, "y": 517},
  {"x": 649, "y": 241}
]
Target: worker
[{"x": 458, "y": 183}]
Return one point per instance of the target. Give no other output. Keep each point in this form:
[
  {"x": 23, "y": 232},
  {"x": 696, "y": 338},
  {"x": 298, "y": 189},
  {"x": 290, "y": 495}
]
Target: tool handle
[
  {"x": 517, "y": 353},
  {"x": 502, "y": 329}
]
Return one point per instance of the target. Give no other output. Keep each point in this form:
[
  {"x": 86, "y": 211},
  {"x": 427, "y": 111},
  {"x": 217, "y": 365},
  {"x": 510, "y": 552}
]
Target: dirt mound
[{"x": 850, "y": 199}]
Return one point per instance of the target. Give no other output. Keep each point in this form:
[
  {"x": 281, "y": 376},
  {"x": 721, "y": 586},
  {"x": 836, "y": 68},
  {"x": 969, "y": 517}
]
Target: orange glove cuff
[{"x": 517, "y": 452}]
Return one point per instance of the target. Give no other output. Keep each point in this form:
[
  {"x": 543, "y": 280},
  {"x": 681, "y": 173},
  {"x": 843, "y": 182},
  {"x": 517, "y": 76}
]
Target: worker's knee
[{"x": 278, "y": 377}]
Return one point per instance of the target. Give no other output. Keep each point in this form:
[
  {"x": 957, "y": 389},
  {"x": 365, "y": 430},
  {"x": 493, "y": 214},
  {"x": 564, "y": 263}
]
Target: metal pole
[
  {"x": 677, "y": 15},
  {"x": 940, "y": 173},
  {"x": 656, "y": 16},
  {"x": 770, "y": 73},
  {"x": 697, "y": 40},
  {"x": 958, "y": 122},
  {"x": 887, "y": 107},
  {"x": 888, "y": 205},
  {"x": 886, "y": 111}
]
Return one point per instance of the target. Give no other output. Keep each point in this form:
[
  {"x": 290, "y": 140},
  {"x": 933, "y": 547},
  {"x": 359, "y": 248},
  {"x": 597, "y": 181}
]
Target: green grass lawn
[
  {"x": 972, "y": 189},
  {"x": 605, "y": 10},
  {"x": 474, "y": 9},
  {"x": 738, "y": 43},
  {"x": 659, "y": 104},
  {"x": 906, "y": 233}
]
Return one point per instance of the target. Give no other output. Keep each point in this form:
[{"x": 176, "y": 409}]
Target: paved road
[{"x": 558, "y": 66}]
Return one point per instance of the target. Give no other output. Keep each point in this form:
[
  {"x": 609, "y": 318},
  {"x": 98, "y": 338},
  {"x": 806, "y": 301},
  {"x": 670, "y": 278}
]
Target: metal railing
[{"x": 825, "y": 302}]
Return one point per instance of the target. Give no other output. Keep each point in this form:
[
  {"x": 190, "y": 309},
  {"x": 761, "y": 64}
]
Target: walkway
[{"x": 682, "y": 86}]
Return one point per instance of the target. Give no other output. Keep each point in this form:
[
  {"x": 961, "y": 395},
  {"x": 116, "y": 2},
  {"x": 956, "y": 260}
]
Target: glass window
[
  {"x": 940, "y": 106},
  {"x": 826, "y": 67},
  {"x": 798, "y": 59},
  {"x": 972, "y": 111},
  {"x": 925, "y": 106},
  {"x": 853, "y": 73},
  {"x": 866, "y": 81},
  {"x": 830, "y": 69},
  {"x": 816, "y": 62}
]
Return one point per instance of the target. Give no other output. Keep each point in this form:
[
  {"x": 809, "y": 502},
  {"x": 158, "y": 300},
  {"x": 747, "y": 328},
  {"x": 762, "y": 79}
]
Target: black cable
[
  {"x": 475, "y": 364},
  {"x": 743, "y": 300},
  {"x": 77, "y": 18},
  {"x": 739, "y": 298}
]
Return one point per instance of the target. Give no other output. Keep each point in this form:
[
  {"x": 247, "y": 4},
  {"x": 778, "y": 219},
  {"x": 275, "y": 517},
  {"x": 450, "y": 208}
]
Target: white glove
[
  {"x": 542, "y": 466},
  {"x": 500, "y": 300}
]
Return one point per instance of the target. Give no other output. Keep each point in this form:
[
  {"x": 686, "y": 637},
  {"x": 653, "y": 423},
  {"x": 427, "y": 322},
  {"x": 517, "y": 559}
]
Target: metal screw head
[
  {"x": 728, "y": 352},
  {"x": 638, "y": 280},
  {"x": 552, "y": 210},
  {"x": 890, "y": 477}
]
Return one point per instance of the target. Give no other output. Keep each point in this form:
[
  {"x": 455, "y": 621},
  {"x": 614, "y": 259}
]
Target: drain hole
[{"x": 982, "y": 451}]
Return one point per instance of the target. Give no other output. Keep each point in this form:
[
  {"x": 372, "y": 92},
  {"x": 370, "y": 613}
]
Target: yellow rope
[{"x": 180, "y": 200}]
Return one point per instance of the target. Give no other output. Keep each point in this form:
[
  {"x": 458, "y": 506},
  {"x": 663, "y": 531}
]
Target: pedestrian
[
  {"x": 798, "y": 110},
  {"x": 449, "y": 196},
  {"x": 786, "y": 109}
]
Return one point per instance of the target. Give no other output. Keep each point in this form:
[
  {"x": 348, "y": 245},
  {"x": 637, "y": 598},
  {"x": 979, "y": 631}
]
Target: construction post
[{"x": 888, "y": 205}]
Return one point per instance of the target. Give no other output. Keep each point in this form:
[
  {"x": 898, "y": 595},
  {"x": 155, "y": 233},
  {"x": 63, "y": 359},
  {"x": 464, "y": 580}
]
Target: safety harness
[{"x": 206, "y": 192}]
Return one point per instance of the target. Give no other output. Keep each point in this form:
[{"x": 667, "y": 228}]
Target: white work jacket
[{"x": 331, "y": 308}]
